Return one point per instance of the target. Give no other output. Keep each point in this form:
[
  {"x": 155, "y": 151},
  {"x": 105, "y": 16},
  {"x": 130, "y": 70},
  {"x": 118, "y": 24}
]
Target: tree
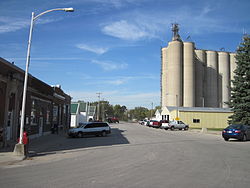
[
  {"x": 119, "y": 111},
  {"x": 240, "y": 97},
  {"x": 106, "y": 109},
  {"x": 139, "y": 113}
]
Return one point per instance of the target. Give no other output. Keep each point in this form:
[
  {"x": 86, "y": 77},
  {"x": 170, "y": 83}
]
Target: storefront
[{"x": 44, "y": 107}]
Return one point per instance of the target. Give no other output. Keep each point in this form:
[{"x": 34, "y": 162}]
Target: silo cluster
[{"x": 195, "y": 78}]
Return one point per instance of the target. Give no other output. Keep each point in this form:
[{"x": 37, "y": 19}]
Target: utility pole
[
  {"x": 98, "y": 107},
  {"x": 103, "y": 110},
  {"x": 151, "y": 111}
]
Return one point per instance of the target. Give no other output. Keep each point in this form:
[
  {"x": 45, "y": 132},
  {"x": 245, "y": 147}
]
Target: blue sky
[{"x": 113, "y": 46}]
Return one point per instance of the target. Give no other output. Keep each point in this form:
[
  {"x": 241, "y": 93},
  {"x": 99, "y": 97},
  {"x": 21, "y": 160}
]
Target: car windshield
[
  {"x": 81, "y": 124},
  {"x": 234, "y": 127}
]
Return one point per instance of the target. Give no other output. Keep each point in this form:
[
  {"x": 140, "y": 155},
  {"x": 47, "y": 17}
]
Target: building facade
[
  {"x": 45, "y": 105},
  {"x": 193, "y": 77},
  {"x": 81, "y": 112},
  {"x": 198, "y": 117}
]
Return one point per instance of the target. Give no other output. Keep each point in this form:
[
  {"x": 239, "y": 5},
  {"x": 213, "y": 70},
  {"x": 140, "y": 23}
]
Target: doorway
[{"x": 40, "y": 126}]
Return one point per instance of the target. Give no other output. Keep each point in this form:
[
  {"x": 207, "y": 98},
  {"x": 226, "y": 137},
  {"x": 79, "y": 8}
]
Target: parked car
[
  {"x": 165, "y": 124},
  {"x": 178, "y": 125},
  {"x": 113, "y": 120},
  {"x": 91, "y": 128},
  {"x": 154, "y": 123},
  {"x": 239, "y": 132},
  {"x": 143, "y": 122}
]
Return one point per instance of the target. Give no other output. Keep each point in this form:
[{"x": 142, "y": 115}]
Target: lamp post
[{"x": 33, "y": 18}]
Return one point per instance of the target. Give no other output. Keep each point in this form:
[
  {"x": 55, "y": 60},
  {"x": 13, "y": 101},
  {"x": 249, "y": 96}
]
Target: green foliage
[
  {"x": 240, "y": 98},
  {"x": 119, "y": 111},
  {"x": 138, "y": 113},
  {"x": 122, "y": 113}
]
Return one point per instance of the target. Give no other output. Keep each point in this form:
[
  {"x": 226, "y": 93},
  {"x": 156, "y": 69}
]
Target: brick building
[{"x": 45, "y": 105}]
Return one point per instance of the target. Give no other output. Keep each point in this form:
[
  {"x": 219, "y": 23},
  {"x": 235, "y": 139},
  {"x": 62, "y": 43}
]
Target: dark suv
[{"x": 91, "y": 128}]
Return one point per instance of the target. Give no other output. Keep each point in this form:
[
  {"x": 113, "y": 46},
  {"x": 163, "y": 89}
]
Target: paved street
[{"x": 135, "y": 156}]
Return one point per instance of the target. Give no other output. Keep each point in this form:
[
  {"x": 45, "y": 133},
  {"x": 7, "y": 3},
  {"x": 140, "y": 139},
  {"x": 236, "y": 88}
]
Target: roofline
[{"x": 198, "y": 109}]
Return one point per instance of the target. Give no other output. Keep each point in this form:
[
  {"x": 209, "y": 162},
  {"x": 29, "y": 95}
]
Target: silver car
[
  {"x": 91, "y": 128},
  {"x": 178, "y": 125}
]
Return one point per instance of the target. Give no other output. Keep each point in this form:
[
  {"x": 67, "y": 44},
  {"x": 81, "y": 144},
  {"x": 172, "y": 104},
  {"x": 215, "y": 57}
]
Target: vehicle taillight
[
  {"x": 237, "y": 131},
  {"x": 224, "y": 131}
]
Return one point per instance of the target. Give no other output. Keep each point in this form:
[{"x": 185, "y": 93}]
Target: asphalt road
[{"x": 136, "y": 156}]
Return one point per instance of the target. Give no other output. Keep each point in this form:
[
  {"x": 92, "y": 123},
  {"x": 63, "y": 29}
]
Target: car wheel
[
  {"x": 104, "y": 133},
  {"x": 226, "y": 139},
  {"x": 80, "y": 135},
  {"x": 166, "y": 128},
  {"x": 172, "y": 128},
  {"x": 180, "y": 129},
  {"x": 186, "y": 128}
]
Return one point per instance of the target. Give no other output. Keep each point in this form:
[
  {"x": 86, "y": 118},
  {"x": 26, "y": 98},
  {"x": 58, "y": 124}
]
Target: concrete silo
[
  {"x": 200, "y": 63},
  {"x": 188, "y": 75},
  {"x": 164, "y": 76},
  {"x": 174, "y": 68},
  {"x": 232, "y": 67},
  {"x": 223, "y": 79},
  {"x": 211, "y": 80}
]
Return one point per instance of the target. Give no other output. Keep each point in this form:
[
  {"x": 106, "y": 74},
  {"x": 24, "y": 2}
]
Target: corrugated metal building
[{"x": 197, "y": 117}]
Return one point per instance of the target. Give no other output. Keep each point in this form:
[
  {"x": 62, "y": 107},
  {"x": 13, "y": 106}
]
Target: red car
[
  {"x": 154, "y": 123},
  {"x": 113, "y": 120}
]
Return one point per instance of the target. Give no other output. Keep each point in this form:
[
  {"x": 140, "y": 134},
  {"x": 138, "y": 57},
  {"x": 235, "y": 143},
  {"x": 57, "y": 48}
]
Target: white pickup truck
[{"x": 178, "y": 125}]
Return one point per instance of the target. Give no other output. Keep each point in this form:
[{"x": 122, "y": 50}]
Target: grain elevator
[{"x": 192, "y": 77}]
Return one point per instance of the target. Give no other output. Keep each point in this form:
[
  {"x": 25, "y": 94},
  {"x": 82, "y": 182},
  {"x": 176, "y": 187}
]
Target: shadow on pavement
[{"x": 52, "y": 144}]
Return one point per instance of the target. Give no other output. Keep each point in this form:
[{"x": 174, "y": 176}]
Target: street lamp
[{"x": 33, "y": 18}]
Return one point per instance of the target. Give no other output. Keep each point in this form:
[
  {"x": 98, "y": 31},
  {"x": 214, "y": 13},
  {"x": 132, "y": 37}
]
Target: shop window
[
  {"x": 196, "y": 120},
  {"x": 48, "y": 117},
  {"x": 33, "y": 118},
  {"x": 55, "y": 113}
]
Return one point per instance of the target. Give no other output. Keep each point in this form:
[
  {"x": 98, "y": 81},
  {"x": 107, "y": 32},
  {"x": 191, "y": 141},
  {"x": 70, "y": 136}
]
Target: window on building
[
  {"x": 48, "y": 116},
  {"x": 33, "y": 117},
  {"x": 196, "y": 120},
  {"x": 55, "y": 113},
  {"x": 164, "y": 117}
]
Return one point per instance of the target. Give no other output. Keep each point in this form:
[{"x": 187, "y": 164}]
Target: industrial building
[
  {"x": 195, "y": 83},
  {"x": 199, "y": 117},
  {"x": 192, "y": 77}
]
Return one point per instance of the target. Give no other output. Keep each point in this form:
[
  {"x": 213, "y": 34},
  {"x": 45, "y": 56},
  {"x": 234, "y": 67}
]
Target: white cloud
[
  {"x": 94, "y": 49},
  {"x": 117, "y": 82},
  {"x": 8, "y": 24},
  {"x": 127, "y": 31},
  {"x": 109, "y": 3},
  {"x": 137, "y": 25},
  {"x": 112, "y": 81},
  {"x": 110, "y": 66}
]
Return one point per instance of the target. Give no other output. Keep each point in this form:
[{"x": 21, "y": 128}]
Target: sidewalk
[
  {"x": 205, "y": 131},
  {"x": 37, "y": 145}
]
